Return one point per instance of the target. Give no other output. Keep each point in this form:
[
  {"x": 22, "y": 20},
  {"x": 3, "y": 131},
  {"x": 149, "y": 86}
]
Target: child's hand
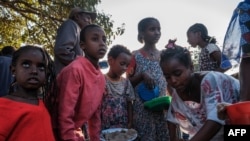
[
  {"x": 148, "y": 80},
  {"x": 78, "y": 132},
  {"x": 130, "y": 125},
  {"x": 221, "y": 110}
]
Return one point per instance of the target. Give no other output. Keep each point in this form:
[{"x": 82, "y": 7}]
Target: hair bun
[{"x": 171, "y": 43}]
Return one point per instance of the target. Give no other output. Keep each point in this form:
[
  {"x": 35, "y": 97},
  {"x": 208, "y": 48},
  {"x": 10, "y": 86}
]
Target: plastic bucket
[{"x": 239, "y": 113}]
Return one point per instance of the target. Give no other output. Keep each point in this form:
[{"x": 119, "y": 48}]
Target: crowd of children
[{"x": 78, "y": 102}]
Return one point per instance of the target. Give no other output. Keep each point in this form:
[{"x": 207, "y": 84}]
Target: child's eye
[
  {"x": 122, "y": 63},
  {"x": 104, "y": 39},
  {"x": 25, "y": 65},
  {"x": 177, "y": 73},
  {"x": 41, "y": 67},
  {"x": 95, "y": 39},
  {"x": 167, "y": 76}
]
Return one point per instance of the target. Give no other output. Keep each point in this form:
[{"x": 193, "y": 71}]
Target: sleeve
[
  {"x": 95, "y": 125},
  {"x": 66, "y": 40},
  {"x": 131, "y": 68},
  {"x": 130, "y": 91},
  {"x": 212, "y": 96},
  {"x": 69, "y": 88},
  {"x": 170, "y": 115},
  {"x": 212, "y": 48}
]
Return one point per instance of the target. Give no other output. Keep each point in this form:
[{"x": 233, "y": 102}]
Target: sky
[{"x": 175, "y": 17}]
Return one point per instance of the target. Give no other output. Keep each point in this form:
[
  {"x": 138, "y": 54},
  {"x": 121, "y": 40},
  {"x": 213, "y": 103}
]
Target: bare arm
[
  {"x": 130, "y": 114},
  {"x": 174, "y": 132},
  {"x": 216, "y": 56},
  {"x": 207, "y": 131}
]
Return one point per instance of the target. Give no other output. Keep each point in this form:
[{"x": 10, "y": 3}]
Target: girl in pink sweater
[{"x": 81, "y": 88}]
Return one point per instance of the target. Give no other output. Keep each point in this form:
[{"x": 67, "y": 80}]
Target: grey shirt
[{"x": 67, "y": 45}]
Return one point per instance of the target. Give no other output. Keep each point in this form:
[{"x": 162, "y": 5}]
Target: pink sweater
[{"x": 81, "y": 88}]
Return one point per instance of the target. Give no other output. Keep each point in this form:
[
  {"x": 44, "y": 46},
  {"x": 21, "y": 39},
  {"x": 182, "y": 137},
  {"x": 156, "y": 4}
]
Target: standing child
[
  {"x": 81, "y": 88},
  {"x": 210, "y": 55},
  {"x": 144, "y": 67},
  {"x": 24, "y": 116},
  {"x": 117, "y": 102},
  {"x": 195, "y": 96}
]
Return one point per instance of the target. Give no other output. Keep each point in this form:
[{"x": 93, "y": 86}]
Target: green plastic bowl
[{"x": 158, "y": 104}]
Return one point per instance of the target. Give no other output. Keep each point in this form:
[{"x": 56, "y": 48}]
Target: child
[
  {"x": 24, "y": 116},
  {"x": 145, "y": 67},
  {"x": 210, "y": 55},
  {"x": 117, "y": 103},
  {"x": 81, "y": 88},
  {"x": 195, "y": 96}
]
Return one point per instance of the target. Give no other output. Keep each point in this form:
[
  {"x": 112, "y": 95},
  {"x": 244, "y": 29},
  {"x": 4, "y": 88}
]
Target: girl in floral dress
[
  {"x": 117, "y": 102},
  {"x": 210, "y": 55},
  {"x": 195, "y": 96},
  {"x": 144, "y": 67}
]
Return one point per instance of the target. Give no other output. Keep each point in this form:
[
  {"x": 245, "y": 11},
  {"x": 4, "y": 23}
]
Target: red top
[
  {"x": 24, "y": 122},
  {"x": 81, "y": 88}
]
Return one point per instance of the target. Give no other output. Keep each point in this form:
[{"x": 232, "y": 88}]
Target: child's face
[
  {"x": 119, "y": 65},
  {"x": 192, "y": 38},
  {"x": 30, "y": 69},
  {"x": 95, "y": 44},
  {"x": 152, "y": 33},
  {"x": 176, "y": 74}
]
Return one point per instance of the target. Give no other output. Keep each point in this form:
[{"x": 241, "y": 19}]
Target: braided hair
[
  {"x": 48, "y": 90},
  {"x": 198, "y": 27},
  {"x": 177, "y": 52}
]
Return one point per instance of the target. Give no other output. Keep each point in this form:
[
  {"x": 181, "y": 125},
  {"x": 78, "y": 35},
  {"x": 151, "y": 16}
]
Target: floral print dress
[
  {"x": 205, "y": 61},
  {"x": 151, "y": 126},
  {"x": 190, "y": 116},
  {"x": 114, "y": 105}
]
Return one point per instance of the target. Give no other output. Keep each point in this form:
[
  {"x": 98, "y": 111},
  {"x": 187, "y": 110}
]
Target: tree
[{"x": 36, "y": 21}]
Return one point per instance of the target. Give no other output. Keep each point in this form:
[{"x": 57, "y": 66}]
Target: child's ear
[
  {"x": 82, "y": 45},
  {"x": 110, "y": 60},
  {"x": 13, "y": 70},
  {"x": 199, "y": 34}
]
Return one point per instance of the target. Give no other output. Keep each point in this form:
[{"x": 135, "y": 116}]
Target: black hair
[
  {"x": 176, "y": 52},
  {"x": 142, "y": 26},
  {"x": 49, "y": 90},
  {"x": 85, "y": 30},
  {"x": 116, "y": 50},
  {"x": 8, "y": 50},
  {"x": 199, "y": 27}
]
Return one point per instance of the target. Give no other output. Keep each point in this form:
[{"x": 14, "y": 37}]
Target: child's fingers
[{"x": 221, "y": 110}]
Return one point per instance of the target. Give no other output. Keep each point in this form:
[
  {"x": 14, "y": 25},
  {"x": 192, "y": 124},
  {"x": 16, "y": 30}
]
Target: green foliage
[{"x": 36, "y": 21}]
